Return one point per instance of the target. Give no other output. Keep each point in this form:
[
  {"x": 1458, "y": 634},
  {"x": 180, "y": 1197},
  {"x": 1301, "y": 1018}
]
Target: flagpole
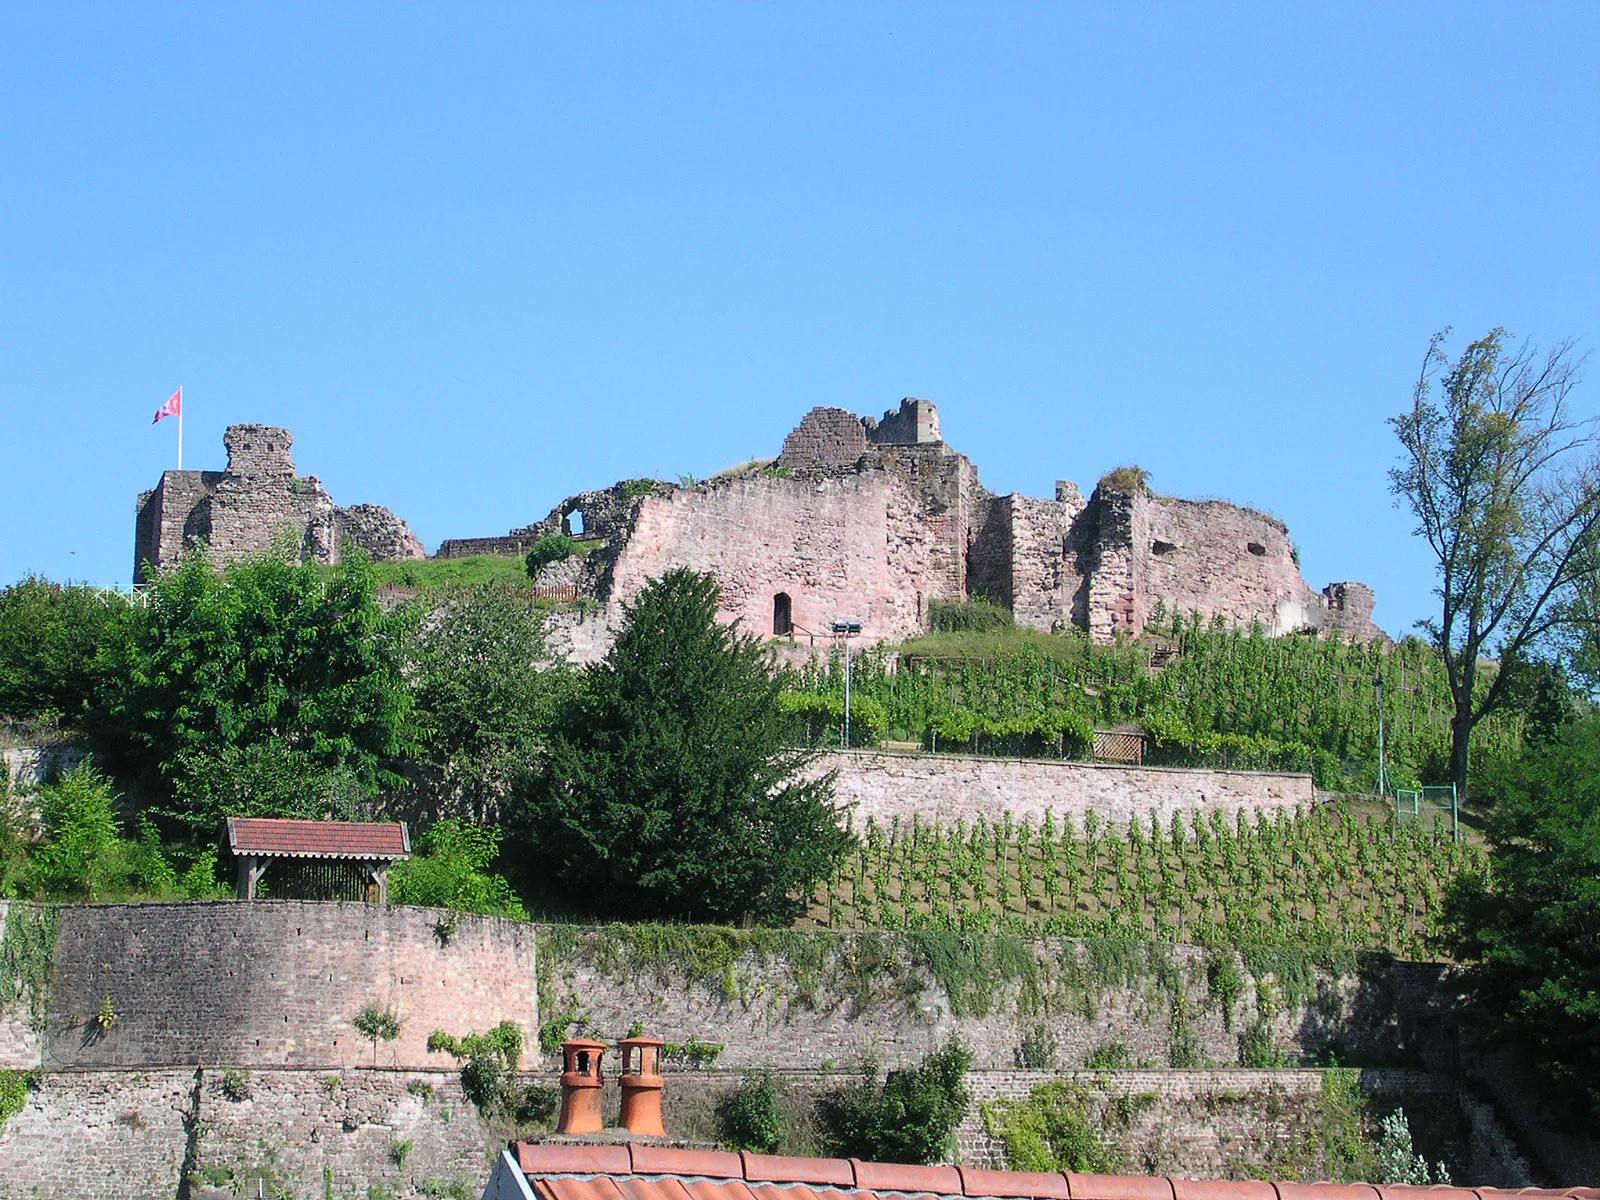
[{"x": 180, "y": 427}]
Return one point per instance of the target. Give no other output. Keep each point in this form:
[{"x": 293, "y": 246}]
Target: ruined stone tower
[{"x": 255, "y": 505}]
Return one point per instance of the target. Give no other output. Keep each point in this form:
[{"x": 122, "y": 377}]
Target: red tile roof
[
  {"x": 270, "y": 837},
  {"x": 644, "y": 1172}
]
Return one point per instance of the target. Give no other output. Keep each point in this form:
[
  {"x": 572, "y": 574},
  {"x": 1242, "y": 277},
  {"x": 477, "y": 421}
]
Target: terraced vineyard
[
  {"x": 1332, "y": 877},
  {"x": 1208, "y": 697}
]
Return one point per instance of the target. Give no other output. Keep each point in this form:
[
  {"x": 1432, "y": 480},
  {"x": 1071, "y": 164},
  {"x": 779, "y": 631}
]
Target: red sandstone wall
[
  {"x": 1212, "y": 568},
  {"x": 276, "y": 983},
  {"x": 824, "y": 541},
  {"x": 951, "y": 787}
]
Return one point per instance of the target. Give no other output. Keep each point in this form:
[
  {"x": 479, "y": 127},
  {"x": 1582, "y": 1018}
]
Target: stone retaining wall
[
  {"x": 84, "y": 1135},
  {"x": 268, "y": 983},
  {"x": 822, "y": 1001},
  {"x": 950, "y": 787}
]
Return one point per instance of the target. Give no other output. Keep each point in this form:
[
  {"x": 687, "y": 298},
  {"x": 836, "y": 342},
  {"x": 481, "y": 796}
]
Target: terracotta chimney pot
[
  {"x": 580, "y": 1087},
  {"x": 641, "y": 1086}
]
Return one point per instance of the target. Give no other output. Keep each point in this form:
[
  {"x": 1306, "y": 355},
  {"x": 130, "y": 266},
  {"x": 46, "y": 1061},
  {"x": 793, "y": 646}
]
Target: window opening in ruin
[
  {"x": 1257, "y": 549},
  {"x": 575, "y": 525},
  {"x": 782, "y": 623},
  {"x": 1159, "y": 547}
]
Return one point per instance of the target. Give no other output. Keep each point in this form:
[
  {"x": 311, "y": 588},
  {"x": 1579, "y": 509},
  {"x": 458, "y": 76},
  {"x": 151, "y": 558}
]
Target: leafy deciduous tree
[
  {"x": 452, "y": 871},
  {"x": 52, "y": 643},
  {"x": 482, "y": 701},
  {"x": 1531, "y": 930},
  {"x": 666, "y": 789},
  {"x": 1503, "y": 481},
  {"x": 239, "y": 680}
]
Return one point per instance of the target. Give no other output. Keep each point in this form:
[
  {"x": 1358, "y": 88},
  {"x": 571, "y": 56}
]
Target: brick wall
[
  {"x": 950, "y": 787},
  {"x": 826, "y": 438}
]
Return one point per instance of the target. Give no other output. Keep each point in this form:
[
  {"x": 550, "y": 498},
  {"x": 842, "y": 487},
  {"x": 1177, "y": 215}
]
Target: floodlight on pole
[
  {"x": 846, "y": 628},
  {"x": 1383, "y": 782}
]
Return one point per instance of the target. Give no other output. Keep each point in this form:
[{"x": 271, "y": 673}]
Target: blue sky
[{"x": 481, "y": 257}]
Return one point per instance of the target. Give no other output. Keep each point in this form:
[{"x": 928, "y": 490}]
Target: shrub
[
  {"x": 235, "y": 1085},
  {"x": 451, "y": 871},
  {"x": 83, "y": 854},
  {"x": 908, "y": 1117},
  {"x": 1129, "y": 479},
  {"x": 974, "y": 615},
  {"x": 14, "y": 1089},
  {"x": 489, "y": 1064},
  {"x": 748, "y": 1118},
  {"x": 552, "y": 548},
  {"x": 1038, "y": 1048},
  {"x": 1113, "y": 1056},
  {"x": 1050, "y": 1131},
  {"x": 1397, "y": 1161}
]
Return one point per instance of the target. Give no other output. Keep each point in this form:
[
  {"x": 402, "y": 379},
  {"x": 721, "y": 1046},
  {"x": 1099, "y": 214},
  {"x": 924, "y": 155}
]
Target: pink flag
[{"x": 172, "y": 407}]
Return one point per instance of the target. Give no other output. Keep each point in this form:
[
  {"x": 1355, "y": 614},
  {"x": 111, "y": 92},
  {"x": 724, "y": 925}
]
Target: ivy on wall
[
  {"x": 27, "y": 959},
  {"x": 975, "y": 974}
]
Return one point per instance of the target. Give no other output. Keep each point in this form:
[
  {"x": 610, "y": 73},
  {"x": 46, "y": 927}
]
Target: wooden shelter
[{"x": 317, "y": 860}]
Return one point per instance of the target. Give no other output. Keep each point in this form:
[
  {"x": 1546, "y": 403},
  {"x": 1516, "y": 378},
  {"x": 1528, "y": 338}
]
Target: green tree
[
  {"x": 1504, "y": 485},
  {"x": 666, "y": 788},
  {"x": 82, "y": 851},
  {"x": 452, "y": 871},
  {"x": 908, "y": 1117},
  {"x": 1530, "y": 930},
  {"x": 83, "y": 854},
  {"x": 53, "y": 644},
  {"x": 1580, "y": 632},
  {"x": 748, "y": 1117},
  {"x": 239, "y": 681},
  {"x": 482, "y": 701}
]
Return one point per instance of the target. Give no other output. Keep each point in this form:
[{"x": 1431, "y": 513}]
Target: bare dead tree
[{"x": 1505, "y": 484}]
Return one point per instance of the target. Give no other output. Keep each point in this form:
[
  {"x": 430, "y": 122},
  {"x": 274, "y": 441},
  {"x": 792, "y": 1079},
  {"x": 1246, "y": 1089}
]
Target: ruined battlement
[
  {"x": 258, "y": 450},
  {"x": 833, "y": 439},
  {"x": 256, "y": 504},
  {"x": 871, "y": 519},
  {"x": 877, "y": 519}
]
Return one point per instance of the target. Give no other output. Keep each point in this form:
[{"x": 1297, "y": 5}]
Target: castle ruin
[
  {"x": 877, "y": 519},
  {"x": 255, "y": 505},
  {"x": 872, "y": 520}
]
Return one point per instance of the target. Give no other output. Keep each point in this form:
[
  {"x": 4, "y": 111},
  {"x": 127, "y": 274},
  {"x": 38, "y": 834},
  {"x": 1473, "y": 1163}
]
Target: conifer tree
[{"x": 667, "y": 789}]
